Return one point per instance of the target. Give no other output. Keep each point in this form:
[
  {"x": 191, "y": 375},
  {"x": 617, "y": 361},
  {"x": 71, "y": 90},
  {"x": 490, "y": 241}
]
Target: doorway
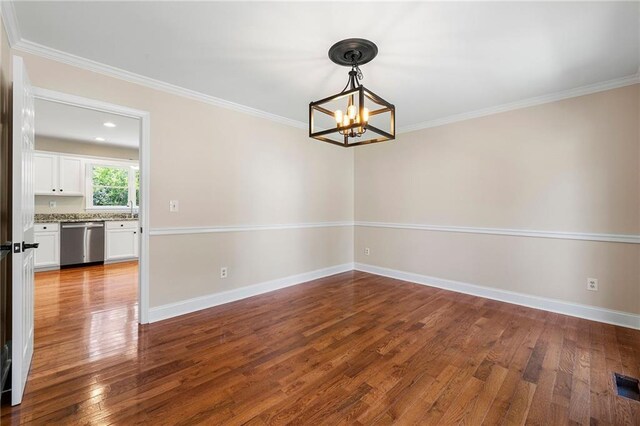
[{"x": 99, "y": 196}]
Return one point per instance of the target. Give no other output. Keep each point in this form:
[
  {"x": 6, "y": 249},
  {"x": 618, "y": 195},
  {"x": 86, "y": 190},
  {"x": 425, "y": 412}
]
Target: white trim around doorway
[{"x": 145, "y": 151}]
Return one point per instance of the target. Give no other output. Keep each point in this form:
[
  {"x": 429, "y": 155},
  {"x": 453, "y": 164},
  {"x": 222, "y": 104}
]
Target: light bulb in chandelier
[
  {"x": 351, "y": 111},
  {"x": 365, "y": 115}
]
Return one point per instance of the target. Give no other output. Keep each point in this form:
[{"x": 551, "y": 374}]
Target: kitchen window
[{"x": 112, "y": 186}]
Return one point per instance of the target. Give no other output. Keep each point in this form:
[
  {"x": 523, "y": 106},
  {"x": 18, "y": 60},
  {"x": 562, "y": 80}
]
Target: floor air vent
[{"x": 627, "y": 386}]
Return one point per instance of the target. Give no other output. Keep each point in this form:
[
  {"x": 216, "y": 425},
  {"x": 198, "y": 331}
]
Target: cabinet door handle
[
  {"x": 60, "y": 189},
  {"x": 53, "y": 190}
]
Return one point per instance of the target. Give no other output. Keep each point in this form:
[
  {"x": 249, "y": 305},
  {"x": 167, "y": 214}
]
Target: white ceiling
[
  {"x": 435, "y": 59},
  {"x": 63, "y": 121}
]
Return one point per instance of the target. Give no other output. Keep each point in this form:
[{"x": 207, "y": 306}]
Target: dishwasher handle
[{"x": 84, "y": 225}]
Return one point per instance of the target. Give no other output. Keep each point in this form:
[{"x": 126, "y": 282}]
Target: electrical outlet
[
  {"x": 592, "y": 284},
  {"x": 367, "y": 252},
  {"x": 173, "y": 206},
  {"x": 224, "y": 272},
  {"x": 52, "y": 204}
]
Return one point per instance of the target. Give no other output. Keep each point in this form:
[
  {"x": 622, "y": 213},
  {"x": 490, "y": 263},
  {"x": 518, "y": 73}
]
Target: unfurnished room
[{"x": 319, "y": 212}]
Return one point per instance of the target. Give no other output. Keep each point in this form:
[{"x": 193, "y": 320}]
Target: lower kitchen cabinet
[
  {"x": 47, "y": 255},
  {"x": 122, "y": 241}
]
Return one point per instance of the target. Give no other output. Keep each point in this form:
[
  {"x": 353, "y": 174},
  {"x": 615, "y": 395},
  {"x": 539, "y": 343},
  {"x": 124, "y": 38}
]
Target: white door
[
  {"x": 46, "y": 177},
  {"x": 22, "y": 230},
  {"x": 70, "y": 176}
]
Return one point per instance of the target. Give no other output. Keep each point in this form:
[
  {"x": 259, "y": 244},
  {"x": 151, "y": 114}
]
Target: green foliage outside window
[{"x": 111, "y": 186}]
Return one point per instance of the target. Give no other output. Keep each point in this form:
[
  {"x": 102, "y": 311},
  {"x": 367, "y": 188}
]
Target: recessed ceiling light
[
  {"x": 100, "y": 139},
  {"x": 109, "y": 124}
]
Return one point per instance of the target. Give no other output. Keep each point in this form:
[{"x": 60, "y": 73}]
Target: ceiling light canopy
[
  {"x": 109, "y": 124},
  {"x": 356, "y": 115},
  {"x": 99, "y": 139}
]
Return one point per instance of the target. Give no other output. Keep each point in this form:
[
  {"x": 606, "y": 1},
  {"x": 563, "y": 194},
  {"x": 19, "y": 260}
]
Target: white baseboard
[
  {"x": 624, "y": 319},
  {"x": 46, "y": 268},
  {"x": 191, "y": 305},
  {"x": 124, "y": 259}
]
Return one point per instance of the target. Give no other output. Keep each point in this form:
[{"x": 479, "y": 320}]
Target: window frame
[{"x": 131, "y": 167}]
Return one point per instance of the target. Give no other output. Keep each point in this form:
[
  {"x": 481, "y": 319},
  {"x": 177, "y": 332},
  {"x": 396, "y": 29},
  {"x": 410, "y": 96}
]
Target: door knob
[{"x": 29, "y": 245}]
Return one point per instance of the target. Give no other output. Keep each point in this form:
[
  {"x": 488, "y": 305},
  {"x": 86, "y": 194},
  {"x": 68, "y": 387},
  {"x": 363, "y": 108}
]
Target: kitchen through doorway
[{"x": 91, "y": 189}]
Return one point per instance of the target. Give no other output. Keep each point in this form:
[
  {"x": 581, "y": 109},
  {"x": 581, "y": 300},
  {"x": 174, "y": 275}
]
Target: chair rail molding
[
  {"x": 245, "y": 228},
  {"x": 584, "y": 236}
]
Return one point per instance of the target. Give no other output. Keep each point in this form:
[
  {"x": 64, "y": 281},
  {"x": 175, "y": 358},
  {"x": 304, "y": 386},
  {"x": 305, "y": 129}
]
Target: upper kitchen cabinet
[
  {"x": 46, "y": 173},
  {"x": 58, "y": 174},
  {"x": 70, "y": 176}
]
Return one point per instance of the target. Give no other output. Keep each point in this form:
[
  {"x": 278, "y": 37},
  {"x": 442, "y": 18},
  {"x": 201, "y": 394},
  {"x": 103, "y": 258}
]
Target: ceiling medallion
[{"x": 356, "y": 115}]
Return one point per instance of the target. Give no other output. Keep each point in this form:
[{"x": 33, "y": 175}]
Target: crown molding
[
  {"x": 90, "y": 65},
  {"x": 18, "y": 43},
  {"x": 10, "y": 22},
  {"x": 525, "y": 103}
]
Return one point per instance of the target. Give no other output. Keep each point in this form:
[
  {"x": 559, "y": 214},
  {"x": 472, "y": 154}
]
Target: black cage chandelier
[{"x": 356, "y": 115}]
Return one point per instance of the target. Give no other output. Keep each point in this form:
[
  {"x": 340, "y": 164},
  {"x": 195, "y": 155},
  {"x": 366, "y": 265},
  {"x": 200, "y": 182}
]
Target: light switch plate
[
  {"x": 52, "y": 204},
  {"x": 173, "y": 206}
]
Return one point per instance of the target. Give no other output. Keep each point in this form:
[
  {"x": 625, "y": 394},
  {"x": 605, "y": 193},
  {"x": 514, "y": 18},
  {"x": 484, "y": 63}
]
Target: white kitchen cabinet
[
  {"x": 46, "y": 173},
  {"x": 122, "y": 240},
  {"x": 58, "y": 174},
  {"x": 47, "y": 255},
  {"x": 70, "y": 176}
]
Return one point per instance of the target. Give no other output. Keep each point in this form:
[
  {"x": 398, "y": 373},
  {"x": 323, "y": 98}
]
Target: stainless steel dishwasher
[{"x": 81, "y": 242}]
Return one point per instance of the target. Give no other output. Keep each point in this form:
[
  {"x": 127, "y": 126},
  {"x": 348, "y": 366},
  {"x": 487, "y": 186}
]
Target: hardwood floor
[{"x": 353, "y": 348}]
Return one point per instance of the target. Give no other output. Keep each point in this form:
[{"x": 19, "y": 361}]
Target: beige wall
[
  {"x": 267, "y": 252},
  {"x": 75, "y": 204},
  {"x": 226, "y": 168},
  {"x": 572, "y": 166}
]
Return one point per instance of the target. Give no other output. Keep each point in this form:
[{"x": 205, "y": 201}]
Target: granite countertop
[{"x": 82, "y": 217}]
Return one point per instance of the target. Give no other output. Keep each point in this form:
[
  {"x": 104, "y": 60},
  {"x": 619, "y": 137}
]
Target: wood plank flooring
[{"x": 353, "y": 348}]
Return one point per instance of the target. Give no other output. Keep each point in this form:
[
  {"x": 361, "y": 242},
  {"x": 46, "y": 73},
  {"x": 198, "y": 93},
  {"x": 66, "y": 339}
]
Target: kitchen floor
[{"x": 352, "y": 348}]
